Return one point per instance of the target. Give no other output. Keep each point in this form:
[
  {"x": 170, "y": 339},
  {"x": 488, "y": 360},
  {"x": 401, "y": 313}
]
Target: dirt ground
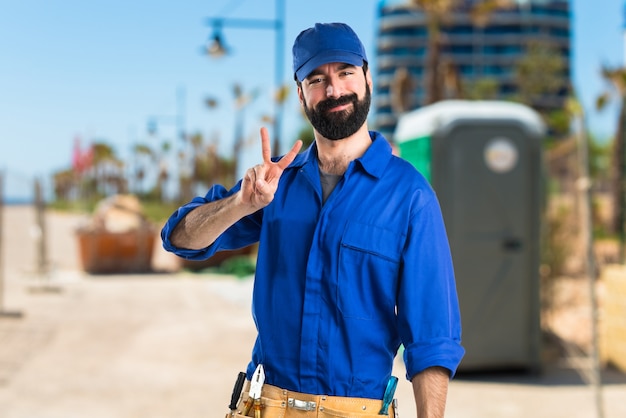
[{"x": 170, "y": 343}]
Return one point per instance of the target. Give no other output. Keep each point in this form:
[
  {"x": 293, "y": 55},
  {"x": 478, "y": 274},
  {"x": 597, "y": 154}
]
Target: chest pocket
[{"x": 369, "y": 263}]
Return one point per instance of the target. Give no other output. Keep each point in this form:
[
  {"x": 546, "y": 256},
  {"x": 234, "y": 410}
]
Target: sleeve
[
  {"x": 428, "y": 309},
  {"x": 243, "y": 233}
]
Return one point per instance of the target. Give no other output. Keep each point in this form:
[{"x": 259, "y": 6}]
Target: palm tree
[
  {"x": 436, "y": 12},
  {"x": 164, "y": 171},
  {"x": 401, "y": 91},
  {"x": 108, "y": 170},
  {"x": 442, "y": 79},
  {"x": 144, "y": 157}
]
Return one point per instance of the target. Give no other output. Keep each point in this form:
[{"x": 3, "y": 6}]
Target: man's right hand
[
  {"x": 203, "y": 225},
  {"x": 260, "y": 182}
]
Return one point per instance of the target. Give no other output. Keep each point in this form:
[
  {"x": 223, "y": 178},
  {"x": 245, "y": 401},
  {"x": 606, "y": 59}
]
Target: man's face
[{"x": 330, "y": 98}]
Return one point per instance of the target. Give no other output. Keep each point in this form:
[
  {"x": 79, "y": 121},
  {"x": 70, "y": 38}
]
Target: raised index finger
[{"x": 265, "y": 146}]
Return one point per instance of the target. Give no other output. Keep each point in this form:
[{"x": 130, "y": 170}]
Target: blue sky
[{"x": 99, "y": 70}]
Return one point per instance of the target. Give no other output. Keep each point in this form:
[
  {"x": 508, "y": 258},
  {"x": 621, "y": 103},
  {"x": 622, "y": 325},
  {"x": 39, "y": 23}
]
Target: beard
[{"x": 342, "y": 124}]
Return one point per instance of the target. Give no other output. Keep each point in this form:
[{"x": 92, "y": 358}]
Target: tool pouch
[
  {"x": 276, "y": 403},
  {"x": 273, "y": 408}
]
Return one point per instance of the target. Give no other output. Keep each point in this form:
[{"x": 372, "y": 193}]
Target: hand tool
[
  {"x": 254, "y": 395},
  {"x": 388, "y": 397},
  {"x": 234, "y": 398}
]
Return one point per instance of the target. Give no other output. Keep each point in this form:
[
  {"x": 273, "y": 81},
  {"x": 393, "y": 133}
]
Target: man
[{"x": 353, "y": 257}]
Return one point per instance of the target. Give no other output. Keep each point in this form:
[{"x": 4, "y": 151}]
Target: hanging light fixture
[{"x": 215, "y": 47}]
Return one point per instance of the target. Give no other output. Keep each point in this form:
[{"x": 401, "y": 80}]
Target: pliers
[{"x": 254, "y": 395}]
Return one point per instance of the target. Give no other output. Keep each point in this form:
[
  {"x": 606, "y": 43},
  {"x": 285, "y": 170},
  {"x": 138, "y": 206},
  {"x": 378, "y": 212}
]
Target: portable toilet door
[{"x": 483, "y": 159}]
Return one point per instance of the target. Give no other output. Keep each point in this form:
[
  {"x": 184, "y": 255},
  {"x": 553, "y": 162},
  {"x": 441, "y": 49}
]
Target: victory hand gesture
[{"x": 260, "y": 182}]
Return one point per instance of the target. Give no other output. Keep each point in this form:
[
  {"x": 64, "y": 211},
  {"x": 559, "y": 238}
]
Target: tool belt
[{"x": 281, "y": 403}]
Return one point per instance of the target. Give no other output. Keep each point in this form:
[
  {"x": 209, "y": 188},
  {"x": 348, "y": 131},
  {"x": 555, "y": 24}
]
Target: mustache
[{"x": 328, "y": 104}]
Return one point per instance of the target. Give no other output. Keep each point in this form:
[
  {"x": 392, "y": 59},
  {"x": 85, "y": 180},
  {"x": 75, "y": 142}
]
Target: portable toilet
[{"x": 483, "y": 159}]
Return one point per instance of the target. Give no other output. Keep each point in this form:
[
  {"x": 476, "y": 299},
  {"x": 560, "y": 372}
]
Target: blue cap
[{"x": 325, "y": 43}]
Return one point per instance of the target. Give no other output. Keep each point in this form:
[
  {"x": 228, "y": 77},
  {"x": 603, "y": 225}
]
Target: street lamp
[{"x": 216, "y": 48}]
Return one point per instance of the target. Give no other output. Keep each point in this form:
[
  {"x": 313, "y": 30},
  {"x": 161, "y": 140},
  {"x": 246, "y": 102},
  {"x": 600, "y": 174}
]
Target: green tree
[
  {"x": 64, "y": 184},
  {"x": 108, "y": 171},
  {"x": 539, "y": 72},
  {"x": 102, "y": 174},
  {"x": 482, "y": 89}
]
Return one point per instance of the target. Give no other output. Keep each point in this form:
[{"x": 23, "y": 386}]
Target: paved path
[
  {"x": 170, "y": 345},
  {"x": 128, "y": 346}
]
